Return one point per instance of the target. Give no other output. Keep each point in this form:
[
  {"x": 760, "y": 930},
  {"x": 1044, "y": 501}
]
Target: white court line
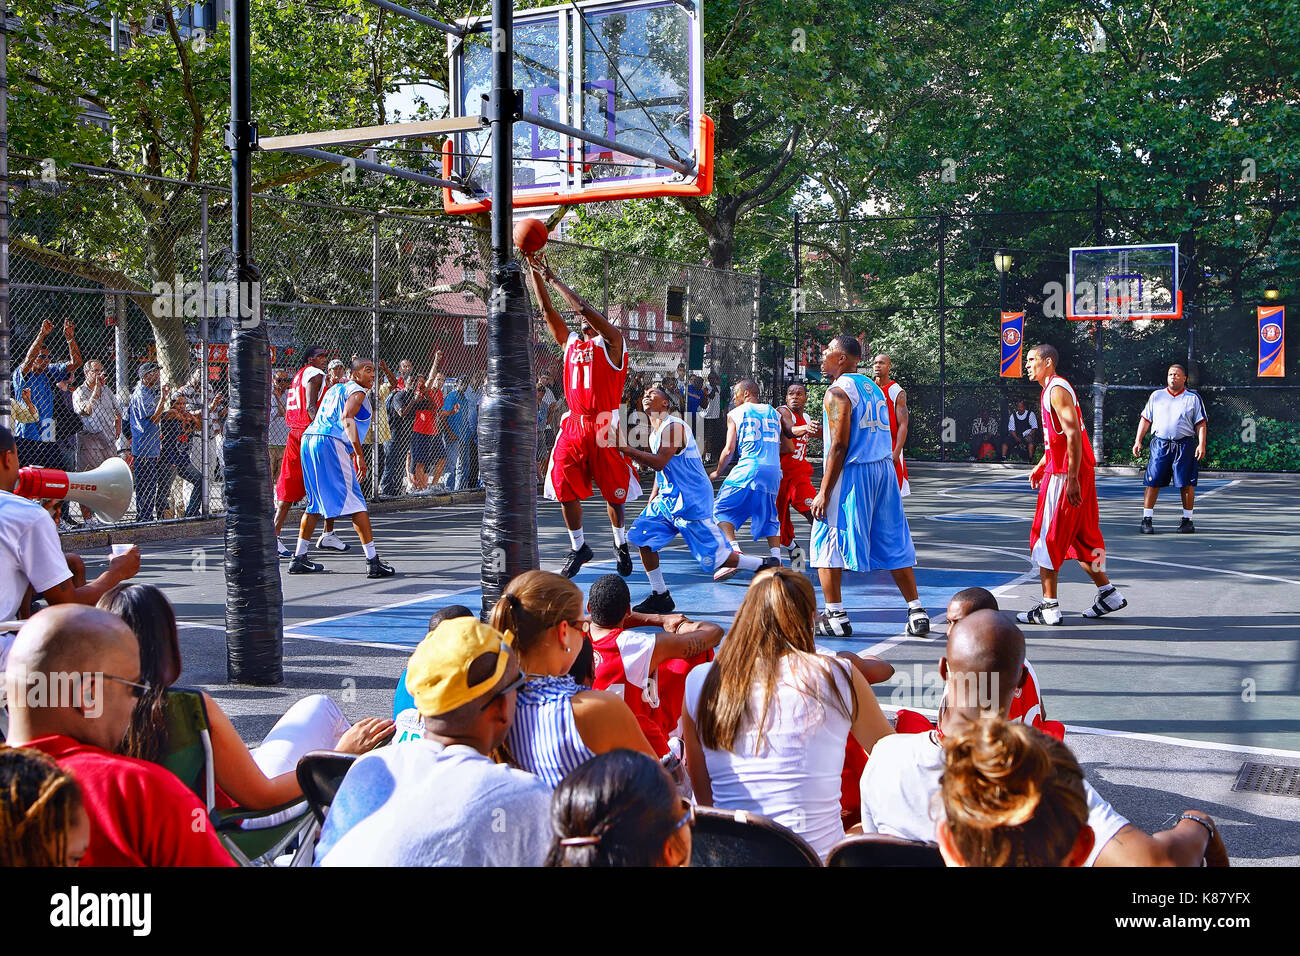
[
  {"x": 1197, "y": 567},
  {"x": 1132, "y": 735}
]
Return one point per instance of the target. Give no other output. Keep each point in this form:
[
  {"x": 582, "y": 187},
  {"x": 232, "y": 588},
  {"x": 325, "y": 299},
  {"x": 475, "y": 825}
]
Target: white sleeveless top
[{"x": 795, "y": 779}]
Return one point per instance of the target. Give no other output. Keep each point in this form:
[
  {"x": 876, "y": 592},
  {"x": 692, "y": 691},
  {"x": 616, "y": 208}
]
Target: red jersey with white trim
[
  {"x": 800, "y": 442},
  {"x": 1027, "y": 706},
  {"x": 640, "y": 690},
  {"x": 296, "y": 415},
  {"x": 593, "y": 384},
  {"x": 892, "y": 391},
  {"x": 1058, "y": 455}
]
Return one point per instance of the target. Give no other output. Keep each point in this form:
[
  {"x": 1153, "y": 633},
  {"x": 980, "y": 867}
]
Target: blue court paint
[
  {"x": 1108, "y": 487},
  {"x": 876, "y": 609}
]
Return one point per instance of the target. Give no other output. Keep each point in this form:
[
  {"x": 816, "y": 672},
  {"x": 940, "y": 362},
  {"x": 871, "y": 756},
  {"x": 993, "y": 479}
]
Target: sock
[
  {"x": 620, "y": 536},
  {"x": 578, "y": 539},
  {"x": 912, "y": 605},
  {"x": 657, "y": 580},
  {"x": 278, "y": 543},
  {"x": 369, "y": 549},
  {"x": 301, "y": 549},
  {"x": 834, "y": 607},
  {"x": 1049, "y": 602},
  {"x": 776, "y": 553},
  {"x": 1187, "y": 512},
  {"x": 1148, "y": 512},
  {"x": 748, "y": 562}
]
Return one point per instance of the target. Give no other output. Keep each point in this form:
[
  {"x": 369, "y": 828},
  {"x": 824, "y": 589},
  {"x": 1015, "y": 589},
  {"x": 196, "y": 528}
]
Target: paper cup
[{"x": 119, "y": 549}]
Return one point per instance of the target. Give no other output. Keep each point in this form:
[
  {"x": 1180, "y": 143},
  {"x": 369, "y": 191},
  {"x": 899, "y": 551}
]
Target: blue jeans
[
  {"x": 148, "y": 483},
  {"x": 458, "y": 452}
]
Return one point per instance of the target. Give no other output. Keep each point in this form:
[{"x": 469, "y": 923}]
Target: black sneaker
[
  {"x": 1147, "y": 526},
  {"x": 304, "y": 565},
  {"x": 657, "y": 603},
  {"x": 769, "y": 562},
  {"x": 1186, "y": 527},
  {"x": 624, "y": 561},
  {"x": 918, "y": 622},
  {"x": 834, "y": 625},
  {"x": 576, "y": 559},
  {"x": 378, "y": 569}
]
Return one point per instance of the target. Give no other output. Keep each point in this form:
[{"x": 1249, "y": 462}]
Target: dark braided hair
[
  {"x": 621, "y": 806},
  {"x": 38, "y": 801}
]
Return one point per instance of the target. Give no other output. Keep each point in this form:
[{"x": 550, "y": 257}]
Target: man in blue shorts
[
  {"x": 858, "y": 520},
  {"x": 1176, "y": 418},
  {"x": 754, "y": 431},
  {"x": 334, "y": 464},
  {"x": 682, "y": 504}
]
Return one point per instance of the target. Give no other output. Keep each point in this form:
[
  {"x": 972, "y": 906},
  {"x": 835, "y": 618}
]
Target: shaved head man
[
  {"x": 73, "y": 680},
  {"x": 882, "y": 373}
]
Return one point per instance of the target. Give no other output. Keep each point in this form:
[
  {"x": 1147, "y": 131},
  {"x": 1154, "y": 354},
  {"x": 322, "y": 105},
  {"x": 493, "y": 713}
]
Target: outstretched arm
[
  {"x": 554, "y": 321},
  {"x": 612, "y": 336}
]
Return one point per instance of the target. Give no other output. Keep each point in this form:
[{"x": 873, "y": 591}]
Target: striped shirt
[{"x": 544, "y": 739}]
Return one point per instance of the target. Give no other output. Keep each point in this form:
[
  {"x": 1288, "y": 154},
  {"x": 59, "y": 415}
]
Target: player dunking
[
  {"x": 1066, "y": 523},
  {"x": 859, "y": 523},
  {"x": 682, "y": 503},
  {"x": 882, "y": 367},
  {"x": 333, "y": 464},
  {"x": 595, "y": 369},
  {"x": 796, "y": 489}
]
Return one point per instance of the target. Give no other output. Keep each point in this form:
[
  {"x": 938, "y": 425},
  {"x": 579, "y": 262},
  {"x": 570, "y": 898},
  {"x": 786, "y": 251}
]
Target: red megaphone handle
[{"x": 42, "y": 483}]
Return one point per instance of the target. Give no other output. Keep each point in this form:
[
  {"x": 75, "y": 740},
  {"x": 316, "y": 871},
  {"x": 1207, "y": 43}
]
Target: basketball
[{"x": 530, "y": 234}]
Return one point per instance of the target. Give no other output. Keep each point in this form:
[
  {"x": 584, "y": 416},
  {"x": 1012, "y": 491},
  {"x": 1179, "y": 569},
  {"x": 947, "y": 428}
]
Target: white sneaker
[
  {"x": 1041, "y": 613},
  {"x": 1108, "y": 599},
  {"x": 329, "y": 541}
]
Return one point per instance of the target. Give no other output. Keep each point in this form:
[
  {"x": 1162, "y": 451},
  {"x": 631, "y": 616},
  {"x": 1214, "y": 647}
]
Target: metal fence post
[
  {"x": 4, "y": 217},
  {"x": 753, "y": 350},
  {"x": 795, "y": 293},
  {"x": 604, "y": 289},
  {"x": 374, "y": 353},
  {"x": 203, "y": 347},
  {"x": 943, "y": 333}
]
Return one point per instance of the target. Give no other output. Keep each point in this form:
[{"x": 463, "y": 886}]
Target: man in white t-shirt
[
  {"x": 982, "y": 668},
  {"x": 1176, "y": 417},
  {"x": 31, "y": 556}
]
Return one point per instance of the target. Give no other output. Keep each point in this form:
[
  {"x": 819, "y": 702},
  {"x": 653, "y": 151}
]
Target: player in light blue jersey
[
  {"x": 858, "y": 520},
  {"x": 334, "y": 465},
  {"x": 682, "y": 504},
  {"x": 754, "y": 432}
]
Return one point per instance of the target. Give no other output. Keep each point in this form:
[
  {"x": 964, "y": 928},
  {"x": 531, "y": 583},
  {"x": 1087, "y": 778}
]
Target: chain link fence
[
  {"x": 137, "y": 266},
  {"x": 925, "y": 290}
]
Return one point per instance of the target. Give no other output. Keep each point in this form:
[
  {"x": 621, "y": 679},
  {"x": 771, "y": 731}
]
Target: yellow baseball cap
[{"x": 437, "y": 675}]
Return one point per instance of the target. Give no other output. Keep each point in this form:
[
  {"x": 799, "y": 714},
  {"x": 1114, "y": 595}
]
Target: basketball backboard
[
  {"x": 627, "y": 71},
  {"x": 1124, "y": 282}
]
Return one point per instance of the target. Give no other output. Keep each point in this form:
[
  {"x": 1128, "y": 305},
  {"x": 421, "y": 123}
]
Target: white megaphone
[{"x": 106, "y": 489}]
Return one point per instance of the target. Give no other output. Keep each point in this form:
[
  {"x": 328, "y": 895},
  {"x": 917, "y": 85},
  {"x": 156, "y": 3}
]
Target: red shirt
[
  {"x": 295, "y": 402},
  {"x": 426, "y": 419},
  {"x": 140, "y": 814},
  {"x": 592, "y": 382},
  {"x": 800, "y": 454},
  {"x": 1058, "y": 456}
]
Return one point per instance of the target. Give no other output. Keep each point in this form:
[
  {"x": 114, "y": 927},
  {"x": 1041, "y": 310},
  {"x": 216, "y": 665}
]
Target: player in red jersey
[
  {"x": 796, "y": 489},
  {"x": 301, "y": 401},
  {"x": 586, "y": 452},
  {"x": 882, "y": 367},
  {"x": 1066, "y": 524}
]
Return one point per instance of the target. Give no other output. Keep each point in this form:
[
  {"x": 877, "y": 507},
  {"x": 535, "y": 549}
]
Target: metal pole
[
  {"x": 1099, "y": 361},
  {"x": 203, "y": 343},
  {"x": 5, "y": 383},
  {"x": 374, "y": 355},
  {"x": 794, "y": 300},
  {"x": 254, "y": 601},
  {"x": 943, "y": 335},
  {"x": 753, "y": 349}
]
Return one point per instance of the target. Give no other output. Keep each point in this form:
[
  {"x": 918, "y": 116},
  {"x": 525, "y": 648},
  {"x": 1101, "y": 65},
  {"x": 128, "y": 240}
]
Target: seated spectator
[
  {"x": 558, "y": 725},
  {"x": 1027, "y": 705},
  {"x": 1012, "y": 796},
  {"x": 72, "y": 683},
  {"x": 256, "y": 779},
  {"x": 983, "y": 432},
  {"x": 43, "y": 821},
  {"x": 441, "y": 800},
  {"x": 1022, "y": 431},
  {"x": 767, "y": 722},
  {"x": 900, "y": 785},
  {"x": 620, "y": 809},
  {"x": 32, "y": 560},
  {"x": 644, "y": 658},
  {"x": 409, "y": 724}
]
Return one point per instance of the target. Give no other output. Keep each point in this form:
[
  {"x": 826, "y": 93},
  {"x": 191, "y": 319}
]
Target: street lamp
[
  {"x": 1002, "y": 262},
  {"x": 1272, "y": 293}
]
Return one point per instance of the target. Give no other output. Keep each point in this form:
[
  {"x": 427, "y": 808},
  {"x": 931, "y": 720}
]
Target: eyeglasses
[
  {"x": 515, "y": 684},
  {"x": 688, "y": 819},
  {"x": 583, "y": 624},
  {"x": 138, "y": 689}
]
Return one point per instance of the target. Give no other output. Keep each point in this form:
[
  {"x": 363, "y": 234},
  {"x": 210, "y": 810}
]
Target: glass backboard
[{"x": 1124, "y": 282}]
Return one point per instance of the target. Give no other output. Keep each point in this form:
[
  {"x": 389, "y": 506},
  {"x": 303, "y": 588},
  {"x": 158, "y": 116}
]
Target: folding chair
[
  {"x": 740, "y": 838},
  {"x": 189, "y": 757},
  {"x": 876, "y": 849},
  {"x": 319, "y": 774}
]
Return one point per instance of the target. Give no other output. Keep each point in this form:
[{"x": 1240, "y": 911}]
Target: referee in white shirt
[{"x": 1176, "y": 417}]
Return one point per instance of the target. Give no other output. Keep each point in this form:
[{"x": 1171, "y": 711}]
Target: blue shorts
[
  {"x": 331, "y": 482},
  {"x": 657, "y": 526},
  {"x": 1172, "y": 459},
  {"x": 736, "y": 505},
  {"x": 864, "y": 528}
]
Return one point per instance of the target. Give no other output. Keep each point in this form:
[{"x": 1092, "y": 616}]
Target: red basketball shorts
[
  {"x": 796, "y": 492},
  {"x": 1061, "y": 530},
  {"x": 584, "y": 454},
  {"x": 289, "y": 486}
]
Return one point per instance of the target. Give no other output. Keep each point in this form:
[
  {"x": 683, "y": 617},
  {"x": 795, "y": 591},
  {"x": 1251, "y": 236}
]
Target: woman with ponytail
[
  {"x": 1012, "y": 797},
  {"x": 559, "y": 725},
  {"x": 620, "y": 809}
]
